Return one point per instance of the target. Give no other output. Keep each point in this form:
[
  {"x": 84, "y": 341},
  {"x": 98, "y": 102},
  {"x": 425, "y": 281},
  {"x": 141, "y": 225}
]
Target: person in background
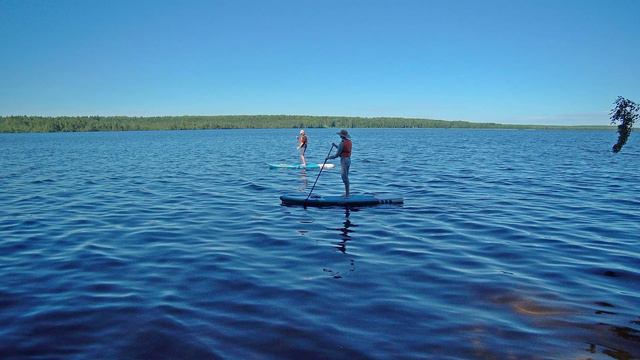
[
  {"x": 302, "y": 147},
  {"x": 344, "y": 152}
]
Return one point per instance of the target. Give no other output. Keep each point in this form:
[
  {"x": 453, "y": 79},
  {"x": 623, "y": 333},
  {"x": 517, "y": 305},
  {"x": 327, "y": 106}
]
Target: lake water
[{"x": 174, "y": 244}]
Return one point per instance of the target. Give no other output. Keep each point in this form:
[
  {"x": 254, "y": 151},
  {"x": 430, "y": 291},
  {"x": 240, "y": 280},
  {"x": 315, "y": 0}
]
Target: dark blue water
[{"x": 154, "y": 245}]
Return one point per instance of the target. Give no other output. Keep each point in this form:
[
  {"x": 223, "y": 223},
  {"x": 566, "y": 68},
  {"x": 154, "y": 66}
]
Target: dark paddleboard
[{"x": 353, "y": 200}]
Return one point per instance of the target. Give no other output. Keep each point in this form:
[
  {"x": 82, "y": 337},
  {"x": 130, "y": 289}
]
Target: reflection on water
[
  {"x": 344, "y": 236},
  {"x": 345, "y": 231},
  {"x": 304, "y": 182}
]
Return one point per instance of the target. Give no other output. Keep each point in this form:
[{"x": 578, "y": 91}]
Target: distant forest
[{"x": 127, "y": 123}]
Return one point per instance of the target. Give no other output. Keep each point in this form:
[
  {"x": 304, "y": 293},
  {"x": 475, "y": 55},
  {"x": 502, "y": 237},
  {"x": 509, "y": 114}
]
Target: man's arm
[{"x": 338, "y": 152}]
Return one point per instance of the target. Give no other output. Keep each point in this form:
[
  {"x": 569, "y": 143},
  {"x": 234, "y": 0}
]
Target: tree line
[{"x": 129, "y": 123}]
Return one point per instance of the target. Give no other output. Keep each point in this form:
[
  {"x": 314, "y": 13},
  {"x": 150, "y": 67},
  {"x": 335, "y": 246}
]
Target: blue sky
[{"x": 512, "y": 61}]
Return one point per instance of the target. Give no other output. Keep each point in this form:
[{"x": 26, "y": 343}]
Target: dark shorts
[{"x": 302, "y": 150}]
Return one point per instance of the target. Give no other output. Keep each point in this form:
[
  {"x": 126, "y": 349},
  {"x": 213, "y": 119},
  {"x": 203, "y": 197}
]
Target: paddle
[{"x": 317, "y": 177}]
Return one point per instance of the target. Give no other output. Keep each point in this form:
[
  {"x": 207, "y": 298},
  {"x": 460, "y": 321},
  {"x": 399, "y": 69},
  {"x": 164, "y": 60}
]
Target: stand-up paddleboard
[
  {"x": 300, "y": 166},
  {"x": 353, "y": 200}
]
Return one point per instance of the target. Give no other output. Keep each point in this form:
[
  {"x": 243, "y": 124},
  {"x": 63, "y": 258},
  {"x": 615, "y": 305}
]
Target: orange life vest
[
  {"x": 303, "y": 140},
  {"x": 346, "y": 148}
]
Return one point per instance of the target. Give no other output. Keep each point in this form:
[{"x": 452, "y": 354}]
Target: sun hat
[
  {"x": 301, "y": 131},
  {"x": 344, "y": 133}
]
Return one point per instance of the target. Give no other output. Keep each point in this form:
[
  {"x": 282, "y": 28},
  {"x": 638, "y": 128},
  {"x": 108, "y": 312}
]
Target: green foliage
[
  {"x": 126, "y": 123},
  {"x": 625, "y": 113}
]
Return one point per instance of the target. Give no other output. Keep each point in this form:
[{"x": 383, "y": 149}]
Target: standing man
[
  {"x": 344, "y": 152},
  {"x": 302, "y": 147}
]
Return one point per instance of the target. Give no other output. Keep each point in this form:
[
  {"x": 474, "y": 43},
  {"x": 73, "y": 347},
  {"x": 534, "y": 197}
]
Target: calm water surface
[{"x": 140, "y": 245}]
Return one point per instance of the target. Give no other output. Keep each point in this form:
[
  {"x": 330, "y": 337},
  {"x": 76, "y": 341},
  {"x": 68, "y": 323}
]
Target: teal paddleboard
[{"x": 300, "y": 166}]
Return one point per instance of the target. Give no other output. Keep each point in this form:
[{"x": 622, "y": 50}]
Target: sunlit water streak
[{"x": 510, "y": 245}]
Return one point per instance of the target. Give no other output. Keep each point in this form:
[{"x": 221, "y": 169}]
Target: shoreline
[{"x": 26, "y": 124}]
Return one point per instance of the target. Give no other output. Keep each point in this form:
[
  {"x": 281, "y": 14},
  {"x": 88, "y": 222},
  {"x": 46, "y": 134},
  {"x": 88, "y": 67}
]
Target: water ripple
[{"x": 174, "y": 245}]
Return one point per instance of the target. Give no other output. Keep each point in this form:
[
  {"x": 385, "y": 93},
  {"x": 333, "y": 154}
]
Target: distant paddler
[
  {"x": 302, "y": 146},
  {"x": 344, "y": 152}
]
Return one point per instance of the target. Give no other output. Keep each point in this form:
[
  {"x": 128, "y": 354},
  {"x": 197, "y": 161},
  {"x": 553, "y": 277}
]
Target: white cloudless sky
[{"x": 507, "y": 61}]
